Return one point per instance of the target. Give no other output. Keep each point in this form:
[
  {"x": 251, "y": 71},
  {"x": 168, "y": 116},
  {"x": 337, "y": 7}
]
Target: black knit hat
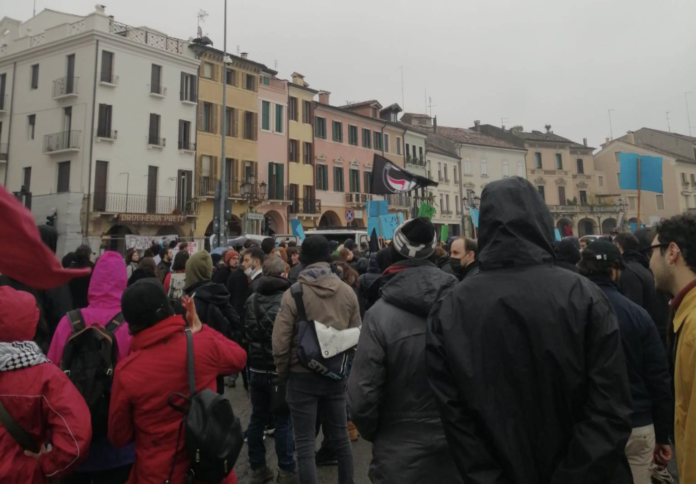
[
  {"x": 315, "y": 248},
  {"x": 415, "y": 239},
  {"x": 145, "y": 304},
  {"x": 603, "y": 250}
]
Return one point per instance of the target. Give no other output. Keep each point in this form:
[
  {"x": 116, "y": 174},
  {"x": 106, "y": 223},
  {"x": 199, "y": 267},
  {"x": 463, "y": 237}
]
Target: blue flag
[
  {"x": 373, "y": 226},
  {"x": 474, "y": 216},
  {"x": 377, "y": 208},
  {"x": 650, "y": 172},
  {"x": 558, "y": 235},
  {"x": 297, "y": 229}
]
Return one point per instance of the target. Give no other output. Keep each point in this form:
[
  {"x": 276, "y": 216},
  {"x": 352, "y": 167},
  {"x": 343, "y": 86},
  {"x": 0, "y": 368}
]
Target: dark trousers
[
  {"x": 260, "y": 391},
  {"x": 307, "y": 394},
  {"x": 112, "y": 476}
]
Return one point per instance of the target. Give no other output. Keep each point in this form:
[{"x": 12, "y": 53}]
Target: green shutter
[
  {"x": 265, "y": 115},
  {"x": 271, "y": 185},
  {"x": 367, "y": 175},
  {"x": 326, "y": 177},
  {"x": 279, "y": 118},
  {"x": 280, "y": 181}
]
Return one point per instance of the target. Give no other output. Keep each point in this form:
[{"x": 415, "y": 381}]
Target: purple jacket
[{"x": 105, "y": 290}]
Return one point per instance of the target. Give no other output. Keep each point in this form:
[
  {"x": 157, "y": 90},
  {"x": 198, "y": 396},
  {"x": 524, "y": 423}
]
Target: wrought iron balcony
[
  {"x": 236, "y": 189},
  {"x": 62, "y": 142},
  {"x": 129, "y": 203},
  {"x": 357, "y": 199},
  {"x": 305, "y": 206},
  {"x": 65, "y": 87}
]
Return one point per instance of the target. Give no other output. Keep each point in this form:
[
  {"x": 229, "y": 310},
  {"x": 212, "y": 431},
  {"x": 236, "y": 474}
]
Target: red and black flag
[{"x": 388, "y": 179}]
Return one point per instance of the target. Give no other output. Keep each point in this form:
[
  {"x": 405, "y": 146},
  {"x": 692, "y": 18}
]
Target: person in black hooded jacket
[
  {"x": 390, "y": 400},
  {"x": 525, "y": 359},
  {"x": 637, "y": 282},
  {"x": 568, "y": 253}
]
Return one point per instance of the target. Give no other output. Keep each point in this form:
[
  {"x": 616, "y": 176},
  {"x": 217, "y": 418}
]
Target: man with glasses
[{"x": 673, "y": 263}]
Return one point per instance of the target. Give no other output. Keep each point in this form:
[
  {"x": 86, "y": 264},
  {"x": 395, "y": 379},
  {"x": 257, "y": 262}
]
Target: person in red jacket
[
  {"x": 155, "y": 369},
  {"x": 39, "y": 398}
]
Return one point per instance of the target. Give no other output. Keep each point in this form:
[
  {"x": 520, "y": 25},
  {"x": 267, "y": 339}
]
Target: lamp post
[{"x": 224, "y": 187}]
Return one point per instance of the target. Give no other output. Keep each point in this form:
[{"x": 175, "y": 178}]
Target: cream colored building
[
  {"x": 678, "y": 179},
  {"x": 564, "y": 174}
]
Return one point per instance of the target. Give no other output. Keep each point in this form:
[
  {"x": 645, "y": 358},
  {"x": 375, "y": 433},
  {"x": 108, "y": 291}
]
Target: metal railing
[
  {"x": 400, "y": 200},
  {"x": 107, "y": 133},
  {"x": 156, "y": 141},
  {"x": 3, "y": 151},
  {"x": 305, "y": 206},
  {"x": 67, "y": 140},
  {"x": 584, "y": 208},
  {"x": 415, "y": 160},
  {"x": 159, "y": 90},
  {"x": 206, "y": 188},
  {"x": 109, "y": 78},
  {"x": 158, "y": 41},
  {"x": 129, "y": 203},
  {"x": 65, "y": 86},
  {"x": 358, "y": 198},
  {"x": 187, "y": 145}
]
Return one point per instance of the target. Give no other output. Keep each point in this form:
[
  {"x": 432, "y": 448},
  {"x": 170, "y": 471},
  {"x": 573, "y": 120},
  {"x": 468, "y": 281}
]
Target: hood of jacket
[
  {"x": 516, "y": 228},
  {"x": 19, "y": 315},
  {"x": 49, "y": 236},
  {"x": 635, "y": 256},
  {"x": 199, "y": 268},
  {"x": 567, "y": 251},
  {"x": 269, "y": 285},
  {"x": 209, "y": 292},
  {"x": 319, "y": 277},
  {"x": 108, "y": 281},
  {"x": 416, "y": 286},
  {"x": 373, "y": 265}
]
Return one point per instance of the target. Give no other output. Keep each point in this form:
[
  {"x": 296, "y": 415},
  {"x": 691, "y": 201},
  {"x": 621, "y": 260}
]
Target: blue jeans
[{"x": 260, "y": 390}]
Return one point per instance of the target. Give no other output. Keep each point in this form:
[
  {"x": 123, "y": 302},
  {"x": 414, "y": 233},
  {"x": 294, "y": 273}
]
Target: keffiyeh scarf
[{"x": 20, "y": 354}]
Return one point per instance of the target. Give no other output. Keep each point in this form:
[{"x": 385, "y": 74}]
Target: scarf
[{"x": 20, "y": 354}]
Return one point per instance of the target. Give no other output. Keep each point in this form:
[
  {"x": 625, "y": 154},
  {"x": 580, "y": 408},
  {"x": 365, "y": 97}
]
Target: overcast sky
[{"x": 532, "y": 62}]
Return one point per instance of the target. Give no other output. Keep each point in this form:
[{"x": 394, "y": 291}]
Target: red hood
[
  {"x": 18, "y": 315},
  {"x": 160, "y": 331},
  {"x": 108, "y": 281}
]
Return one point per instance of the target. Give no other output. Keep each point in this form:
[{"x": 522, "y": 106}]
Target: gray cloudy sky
[{"x": 533, "y": 62}]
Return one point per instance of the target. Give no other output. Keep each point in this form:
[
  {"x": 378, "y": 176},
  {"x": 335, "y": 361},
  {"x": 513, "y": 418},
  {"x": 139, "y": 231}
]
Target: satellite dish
[{"x": 200, "y": 32}]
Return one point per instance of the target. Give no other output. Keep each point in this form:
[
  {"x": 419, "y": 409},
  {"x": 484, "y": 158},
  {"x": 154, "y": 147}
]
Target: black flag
[{"x": 387, "y": 178}]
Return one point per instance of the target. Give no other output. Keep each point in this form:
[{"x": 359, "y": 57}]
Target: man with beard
[
  {"x": 673, "y": 264},
  {"x": 525, "y": 359}
]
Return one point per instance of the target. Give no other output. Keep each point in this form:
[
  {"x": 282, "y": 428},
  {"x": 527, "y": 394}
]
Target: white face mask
[{"x": 249, "y": 271}]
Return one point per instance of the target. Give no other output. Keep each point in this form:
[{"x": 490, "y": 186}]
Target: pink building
[
  {"x": 345, "y": 141},
  {"x": 273, "y": 151}
]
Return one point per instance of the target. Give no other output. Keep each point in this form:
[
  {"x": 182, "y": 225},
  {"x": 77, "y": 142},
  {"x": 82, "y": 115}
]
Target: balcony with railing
[
  {"x": 4, "y": 147},
  {"x": 236, "y": 189},
  {"x": 156, "y": 142},
  {"x": 357, "y": 199},
  {"x": 142, "y": 36},
  {"x": 108, "y": 79},
  {"x": 400, "y": 200},
  {"x": 4, "y": 104},
  {"x": 107, "y": 134},
  {"x": 128, "y": 203},
  {"x": 187, "y": 145},
  {"x": 57, "y": 143},
  {"x": 305, "y": 207},
  {"x": 573, "y": 209},
  {"x": 65, "y": 87},
  {"x": 415, "y": 160},
  {"x": 158, "y": 91}
]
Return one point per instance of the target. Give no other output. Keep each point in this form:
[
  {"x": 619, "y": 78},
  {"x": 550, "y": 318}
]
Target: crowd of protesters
[{"x": 513, "y": 358}]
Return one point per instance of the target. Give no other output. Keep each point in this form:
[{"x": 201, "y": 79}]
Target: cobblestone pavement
[{"x": 362, "y": 451}]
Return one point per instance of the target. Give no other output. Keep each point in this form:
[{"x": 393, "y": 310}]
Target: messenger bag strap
[
  {"x": 296, "y": 291},
  {"x": 189, "y": 360},
  {"x": 20, "y": 435}
]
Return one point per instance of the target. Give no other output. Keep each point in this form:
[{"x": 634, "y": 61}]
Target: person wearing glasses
[{"x": 673, "y": 263}]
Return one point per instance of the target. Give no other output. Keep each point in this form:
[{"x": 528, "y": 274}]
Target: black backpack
[
  {"x": 213, "y": 436},
  {"x": 89, "y": 359}
]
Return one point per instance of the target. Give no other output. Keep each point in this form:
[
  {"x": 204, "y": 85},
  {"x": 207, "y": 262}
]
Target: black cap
[
  {"x": 145, "y": 304},
  {"x": 605, "y": 251}
]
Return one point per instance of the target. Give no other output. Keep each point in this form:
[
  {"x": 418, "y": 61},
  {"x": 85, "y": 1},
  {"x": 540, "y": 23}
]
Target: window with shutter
[
  {"x": 265, "y": 115},
  {"x": 307, "y": 153},
  {"x": 63, "y": 177},
  {"x": 156, "y": 79},
  {"x": 367, "y": 185},
  {"x": 279, "y": 121},
  {"x": 307, "y": 112},
  {"x": 107, "y": 67},
  {"x": 280, "y": 181},
  {"x": 152, "y": 173},
  {"x": 386, "y": 143},
  {"x": 100, "y": 181},
  {"x": 366, "y": 138},
  {"x": 35, "y": 76}
]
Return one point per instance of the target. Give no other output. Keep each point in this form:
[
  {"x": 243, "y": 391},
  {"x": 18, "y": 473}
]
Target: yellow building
[
  {"x": 304, "y": 204},
  {"x": 241, "y": 77}
]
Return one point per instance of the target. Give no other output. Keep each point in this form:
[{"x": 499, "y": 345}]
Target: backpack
[
  {"x": 177, "y": 283},
  {"x": 89, "y": 359},
  {"x": 213, "y": 436},
  {"x": 322, "y": 349}
]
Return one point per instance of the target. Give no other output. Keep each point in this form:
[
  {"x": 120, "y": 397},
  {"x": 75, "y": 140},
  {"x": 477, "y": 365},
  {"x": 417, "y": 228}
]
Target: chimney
[
  {"x": 245, "y": 55},
  {"x": 435, "y": 124},
  {"x": 584, "y": 141},
  {"x": 477, "y": 125},
  {"x": 324, "y": 97},
  {"x": 298, "y": 79},
  {"x": 630, "y": 137},
  {"x": 606, "y": 140}
]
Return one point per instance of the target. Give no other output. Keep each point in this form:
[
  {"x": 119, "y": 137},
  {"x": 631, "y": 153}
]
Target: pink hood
[{"x": 105, "y": 290}]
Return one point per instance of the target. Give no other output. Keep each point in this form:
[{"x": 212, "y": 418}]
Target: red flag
[{"x": 23, "y": 255}]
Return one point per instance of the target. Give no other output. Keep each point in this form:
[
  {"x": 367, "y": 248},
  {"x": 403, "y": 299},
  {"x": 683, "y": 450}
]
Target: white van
[{"x": 340, "y": 235}]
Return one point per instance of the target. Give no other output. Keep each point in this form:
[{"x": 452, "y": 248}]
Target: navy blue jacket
[{"x": 646, "y": 361}]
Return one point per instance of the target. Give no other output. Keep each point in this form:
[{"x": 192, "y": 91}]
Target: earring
[{"x": 670, "y": 263}]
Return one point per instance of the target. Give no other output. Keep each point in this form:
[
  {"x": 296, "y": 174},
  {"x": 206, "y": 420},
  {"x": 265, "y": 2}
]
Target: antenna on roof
[
  {"x": 503, "y": 121},
  {"x": 237, "y": 50},
  {"x": 275, "y": 63},
  {"x": 668, "y": 126},
  {"x": 430, "y": 106},
  {"x": 202, "y": 14}
]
